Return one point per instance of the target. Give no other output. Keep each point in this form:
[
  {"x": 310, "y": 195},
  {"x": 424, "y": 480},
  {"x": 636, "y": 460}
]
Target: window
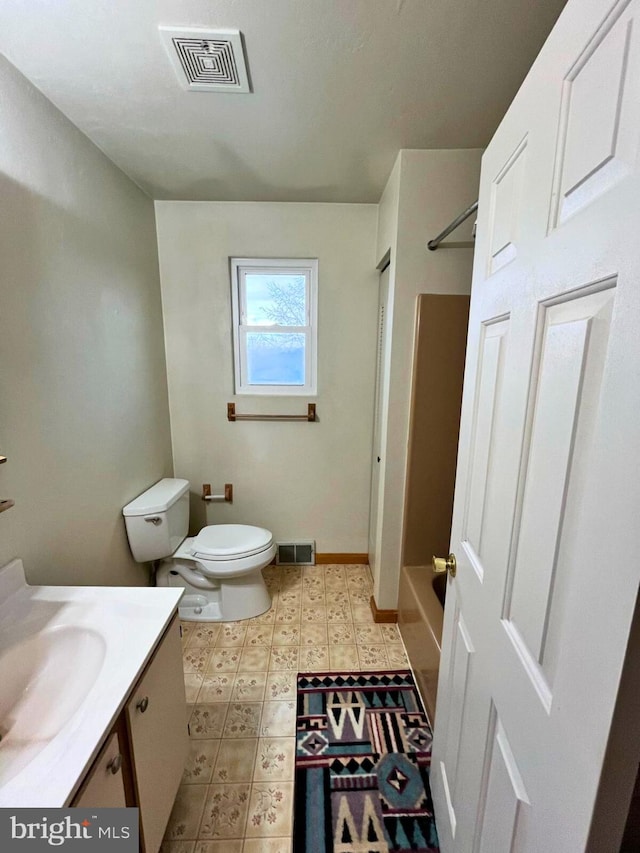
[{"x": 274, "y": 325}]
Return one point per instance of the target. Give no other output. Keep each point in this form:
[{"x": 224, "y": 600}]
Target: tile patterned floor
[{"x": 237, "y": 791}]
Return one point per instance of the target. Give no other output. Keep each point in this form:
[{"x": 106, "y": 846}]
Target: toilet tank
[{"x": 157, "y": 521}]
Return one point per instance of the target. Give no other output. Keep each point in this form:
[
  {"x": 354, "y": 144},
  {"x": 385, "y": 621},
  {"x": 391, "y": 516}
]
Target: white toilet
[{"x": 220, "y": 568}]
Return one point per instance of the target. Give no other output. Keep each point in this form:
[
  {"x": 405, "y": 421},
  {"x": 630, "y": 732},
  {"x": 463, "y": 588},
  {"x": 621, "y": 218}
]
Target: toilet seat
[{"x": 225, "y": 542}]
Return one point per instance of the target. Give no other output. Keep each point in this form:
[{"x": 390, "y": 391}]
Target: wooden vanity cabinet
[
  {"x": 156, "y": 716},
  {"x": 103, "y": 786},
  {"x": 142, "y": 761}
]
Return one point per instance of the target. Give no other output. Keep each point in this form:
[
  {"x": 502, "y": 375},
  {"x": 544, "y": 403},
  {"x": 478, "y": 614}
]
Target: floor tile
[
  {"x": 397, "y": 656},
  {"x": 339, "y": 613},
  {"x": 216, "y": 688},
  {"x": 313, "y": 658},
  {"x": 259, "y": 635},
  {"x": 235, "y": 760},
  {"x": 391, "y": 634},
  {"x": 192, "y": 684},
  {"x": 236, "y": 794},
  {"x": 341, "y": 634},
  {"x": 278, "y": 719},
  {"x": 290, "y": 597},
  {"x": 314, "y": 634},
  {"x": 270, "y": 809},
  {"x": 195, "y": 660},
  {"x": 275, "y": 759},
  {"x": 284, "y": 657},
  {"x": 288, "y": 615},
  {"x": 267, "y": 845},
  {"x": 344, "y": 657},
  {"x": 223, "y": 660},
  {"x": 291, "y": 573},
  {"x": 177, "y": 847},
  {"x": 314, "y": 598},
  {"x": 225, "y": 811},
  {"x": 207, "y": 721},
  {"x": 200, "y": 761},
  {"x": 367, "y": 634},
  {"x": 313, "y": 613},
  {"x": 335, "y": 581},
  {"x": 373, "y": 657},
  {"x": 243, "y": 720},
  {"x": 286, "y": 635},
  {"x": 203, "y": 635},
  {"x": 249, "y": 687},
  {"x": 362, "y": 613},
  {"x": 254, "y": 659},
  {"x": 186, "y": 629},
  {"x": 266, "y": 618},
  {"x": 335, "y": 598},
  {"x": 186, "y": 813},
  {"x": 231, "y": 634},
  {"x": 229, "y": 845},
  {"x": 281, "y": 685}
]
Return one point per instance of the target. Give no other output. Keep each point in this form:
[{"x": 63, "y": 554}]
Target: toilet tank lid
[{"x": 158, "y": 498}]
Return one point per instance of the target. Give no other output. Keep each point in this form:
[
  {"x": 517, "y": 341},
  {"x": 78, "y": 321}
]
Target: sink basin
[
  {"x": 69, "y": 656},
  {"x": 45, "y": 679}
]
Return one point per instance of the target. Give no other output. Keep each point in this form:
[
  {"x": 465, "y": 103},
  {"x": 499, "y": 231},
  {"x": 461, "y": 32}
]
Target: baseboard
[
  {"x": 382, "y": 615},
  {"x": 343, "y": 559}
]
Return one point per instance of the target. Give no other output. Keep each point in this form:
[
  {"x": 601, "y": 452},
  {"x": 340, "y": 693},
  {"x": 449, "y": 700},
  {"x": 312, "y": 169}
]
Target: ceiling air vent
[{"x": 207, "y": 60}]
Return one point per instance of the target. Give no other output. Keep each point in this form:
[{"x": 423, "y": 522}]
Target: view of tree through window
[{"x": 276, "y": 357}]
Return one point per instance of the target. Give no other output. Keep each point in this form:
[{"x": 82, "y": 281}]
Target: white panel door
[{"x": 545, "y": 525}]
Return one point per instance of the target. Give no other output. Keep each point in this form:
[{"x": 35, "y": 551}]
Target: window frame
[{"x": 308, "y": 267}]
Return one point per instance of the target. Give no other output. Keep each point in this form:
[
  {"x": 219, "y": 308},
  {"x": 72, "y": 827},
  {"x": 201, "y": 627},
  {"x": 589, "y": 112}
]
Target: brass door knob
[{"x": 445, "y": 564}]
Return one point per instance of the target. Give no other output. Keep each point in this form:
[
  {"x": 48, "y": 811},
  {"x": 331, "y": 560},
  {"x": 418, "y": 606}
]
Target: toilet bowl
[{"x": 220, "y": 569}]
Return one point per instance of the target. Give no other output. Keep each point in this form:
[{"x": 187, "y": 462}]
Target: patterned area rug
[{"x": 362, "y": 765}]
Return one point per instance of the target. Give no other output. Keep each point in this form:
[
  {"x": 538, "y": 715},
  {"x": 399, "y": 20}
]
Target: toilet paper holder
[{"x": 226, "y": 497}]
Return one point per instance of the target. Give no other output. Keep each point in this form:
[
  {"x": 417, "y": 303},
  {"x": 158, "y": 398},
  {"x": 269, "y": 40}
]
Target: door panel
[
  {"x": 598, "y": 134},
  {"x": 565, "y": 395},
  {"x": 545, "y": 527},
  {"x": 506, "y": 201},
  {"x": 503, "y": 795},
  {"x": 491, "y": 361}
]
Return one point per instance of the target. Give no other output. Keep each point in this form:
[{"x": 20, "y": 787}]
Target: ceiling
[{"x": 339, "y": 86}]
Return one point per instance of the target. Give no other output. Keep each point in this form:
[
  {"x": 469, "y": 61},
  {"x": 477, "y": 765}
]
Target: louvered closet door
[
  {"x": 381, "y": 399},
  {"x": 545, "y": 524}
]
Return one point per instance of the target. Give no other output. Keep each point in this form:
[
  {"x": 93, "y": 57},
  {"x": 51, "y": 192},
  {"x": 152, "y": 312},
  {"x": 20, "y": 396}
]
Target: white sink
[
  {"x": 45, "y": 679},
  {"x": 69, "y": 656}
]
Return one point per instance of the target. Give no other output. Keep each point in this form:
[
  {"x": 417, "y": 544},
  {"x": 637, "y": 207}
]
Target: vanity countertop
[{"x": 69, "y": 657}]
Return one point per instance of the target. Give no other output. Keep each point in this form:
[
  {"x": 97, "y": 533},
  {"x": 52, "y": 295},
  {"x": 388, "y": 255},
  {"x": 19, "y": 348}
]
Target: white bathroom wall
[
  {"x": 83, "y": 399},
  {"x": 300, "y": 480},
  {"x": 430, "y": 188}
]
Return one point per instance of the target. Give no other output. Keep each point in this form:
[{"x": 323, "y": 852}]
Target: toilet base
[
  {"x": 197, "y": 608},
  {"x": 231, "y": 600}
]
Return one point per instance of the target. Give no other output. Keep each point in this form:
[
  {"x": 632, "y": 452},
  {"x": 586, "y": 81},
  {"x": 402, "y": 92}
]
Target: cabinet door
[
  {"x": 104, "y": 785},
  {"x": 157, "y": 722}
]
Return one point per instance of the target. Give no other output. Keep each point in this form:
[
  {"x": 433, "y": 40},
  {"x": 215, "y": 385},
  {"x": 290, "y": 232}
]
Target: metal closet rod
[{"x": 433, "y": 244}]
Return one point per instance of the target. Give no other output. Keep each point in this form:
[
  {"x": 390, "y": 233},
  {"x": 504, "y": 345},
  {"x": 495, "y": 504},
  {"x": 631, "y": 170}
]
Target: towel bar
[{"x": 310, "y": 416}]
